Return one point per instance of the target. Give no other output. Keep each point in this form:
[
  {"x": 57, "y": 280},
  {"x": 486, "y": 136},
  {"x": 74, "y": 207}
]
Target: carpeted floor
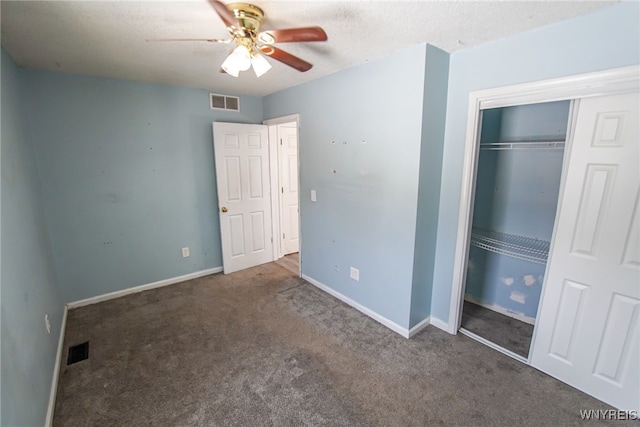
[
  {"x": 262, "y": 347},
  {"x": 503, "y": 330}
]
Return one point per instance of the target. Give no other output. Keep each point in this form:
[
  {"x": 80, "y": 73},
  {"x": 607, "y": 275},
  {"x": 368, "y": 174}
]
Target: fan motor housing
[{"x": 250, "y": 17}]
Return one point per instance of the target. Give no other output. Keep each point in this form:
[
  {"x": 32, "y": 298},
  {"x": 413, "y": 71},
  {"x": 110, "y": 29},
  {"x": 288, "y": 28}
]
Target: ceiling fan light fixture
[
  {"x": 238, "y": 60},
  {"x": 266, "y": 38},
  {"x": 260, "y": 64},
  {"x": 229, "y": 69}
]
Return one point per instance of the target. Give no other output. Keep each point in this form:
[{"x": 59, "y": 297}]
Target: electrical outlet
[
  {"x": 47, "y": 324},
  {"x": 185, "y": 252},
  {"x": 354, "y": 273}
]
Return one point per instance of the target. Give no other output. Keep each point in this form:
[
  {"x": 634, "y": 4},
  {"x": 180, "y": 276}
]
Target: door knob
[{"x": 223, "y": 209}]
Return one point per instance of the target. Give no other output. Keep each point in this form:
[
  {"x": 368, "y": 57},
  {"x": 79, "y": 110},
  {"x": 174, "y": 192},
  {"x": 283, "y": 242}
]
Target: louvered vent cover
[
  {"x": 78, "y": 353},
  {"x": 224, "y": 102}
]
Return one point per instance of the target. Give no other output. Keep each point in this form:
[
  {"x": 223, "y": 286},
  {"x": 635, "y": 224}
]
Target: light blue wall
[
  {"x": 535, "y": 122},
  {"x": 128, "y": 178},
  {"x": 517, "y": 190},
  {"x": 29, "y": 288},
  {"x": 493, "y": 278},
  {"x": 433, "y": 121},
  {"x": 366, "y": 124},
  {"x": 605, "y": 39}
]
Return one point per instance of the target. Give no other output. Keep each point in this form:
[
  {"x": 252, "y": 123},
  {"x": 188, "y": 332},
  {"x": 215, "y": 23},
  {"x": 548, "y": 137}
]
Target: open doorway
[
  {"x": 518, "y": 178},
  {"x": 283, "y": 132}
]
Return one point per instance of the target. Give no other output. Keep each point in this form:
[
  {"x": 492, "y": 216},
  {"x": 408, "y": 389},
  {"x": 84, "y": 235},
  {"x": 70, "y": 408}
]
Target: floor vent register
[{"x": 78, "y": 353}]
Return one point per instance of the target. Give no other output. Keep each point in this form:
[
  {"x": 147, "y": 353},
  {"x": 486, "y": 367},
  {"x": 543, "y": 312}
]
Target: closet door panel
[{"x": 595, "y": 346}]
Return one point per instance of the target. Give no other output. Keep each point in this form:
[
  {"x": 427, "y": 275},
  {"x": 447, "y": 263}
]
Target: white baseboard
[
  {"x": 56, "y": 371},
  {"x": 518, "y": 316},
  {"x": 141, "y": 288},
  {"x": 361, "y": 308},
  {"x": 420, "y": 326},
  {"x": 441, "y": 324}
]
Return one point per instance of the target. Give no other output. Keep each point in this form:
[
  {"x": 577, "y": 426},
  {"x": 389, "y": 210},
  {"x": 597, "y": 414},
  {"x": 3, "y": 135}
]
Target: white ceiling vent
[{"x": 223, "y": 102}]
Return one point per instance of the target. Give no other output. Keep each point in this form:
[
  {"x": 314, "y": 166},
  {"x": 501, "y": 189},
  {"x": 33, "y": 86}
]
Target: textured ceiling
[{"x": 108, "y": 38}]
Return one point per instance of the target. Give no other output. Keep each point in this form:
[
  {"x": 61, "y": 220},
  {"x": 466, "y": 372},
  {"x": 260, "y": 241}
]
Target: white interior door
[
  {"x": 288, "y": 160},
  {"x": 587, "y": 333},
  {"x": 242, "y": 174}
]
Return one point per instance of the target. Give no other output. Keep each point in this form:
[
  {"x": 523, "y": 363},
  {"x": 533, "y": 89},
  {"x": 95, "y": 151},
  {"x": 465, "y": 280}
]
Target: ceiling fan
[{"x": 243, "y": 21}]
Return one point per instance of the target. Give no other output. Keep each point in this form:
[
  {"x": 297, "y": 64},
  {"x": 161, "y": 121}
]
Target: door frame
[
  {"x": 606, "y": 82},
  {"x": 274, "y": 173}
]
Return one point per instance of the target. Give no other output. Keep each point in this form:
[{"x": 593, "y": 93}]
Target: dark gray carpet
[
  {"x": 262, "y": 347},
  {"x": 503, "y": 330}
]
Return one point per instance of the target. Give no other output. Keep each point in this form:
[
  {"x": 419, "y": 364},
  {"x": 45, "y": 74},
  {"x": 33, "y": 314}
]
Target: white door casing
[
  {"x": 288, "y": 168},
  {"x": 244, "y": 199},
  {"x": 588, "y": 327}
]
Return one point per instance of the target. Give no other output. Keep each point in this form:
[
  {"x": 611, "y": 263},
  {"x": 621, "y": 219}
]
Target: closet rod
[{"x": 514, "y": 145}]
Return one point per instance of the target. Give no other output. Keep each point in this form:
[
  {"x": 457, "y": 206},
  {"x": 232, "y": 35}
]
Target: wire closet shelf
[
  {"x": 524, "y": 145},
  {"x": 520, "y": 247}
]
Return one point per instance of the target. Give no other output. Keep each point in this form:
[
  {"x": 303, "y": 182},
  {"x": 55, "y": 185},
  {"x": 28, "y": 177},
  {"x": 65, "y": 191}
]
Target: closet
[{"x": 517, "y": 187}]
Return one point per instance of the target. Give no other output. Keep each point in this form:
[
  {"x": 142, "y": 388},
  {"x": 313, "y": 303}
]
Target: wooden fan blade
[
  {"x": 190, "y": 40},
  {"x": 305, "y": 34},
  {"x": 286, "y": 58},
  {"x": 226, "y": 15}
]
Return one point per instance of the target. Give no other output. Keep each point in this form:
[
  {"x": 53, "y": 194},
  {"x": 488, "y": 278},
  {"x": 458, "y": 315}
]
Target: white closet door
[{"x": 587, "y": 333}]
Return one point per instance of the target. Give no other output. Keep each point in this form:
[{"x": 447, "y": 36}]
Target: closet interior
[{"x": 517, "y": 188}]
